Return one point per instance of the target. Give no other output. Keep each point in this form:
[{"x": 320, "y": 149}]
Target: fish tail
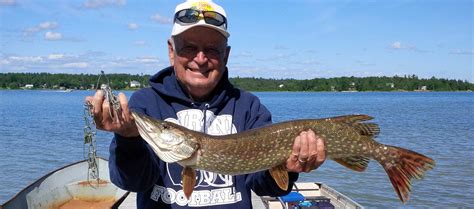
[{"x": 402, "y": 166}]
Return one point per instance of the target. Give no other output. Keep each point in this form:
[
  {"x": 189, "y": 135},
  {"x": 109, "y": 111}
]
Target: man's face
[{"x": 199, "y": 60}]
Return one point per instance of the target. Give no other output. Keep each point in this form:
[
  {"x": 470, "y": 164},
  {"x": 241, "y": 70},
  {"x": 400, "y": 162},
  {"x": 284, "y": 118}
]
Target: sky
[{"x": 301, "y": 39}]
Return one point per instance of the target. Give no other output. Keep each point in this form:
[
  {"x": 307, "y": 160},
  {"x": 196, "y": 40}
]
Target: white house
[{"x": 135, "y": 84}]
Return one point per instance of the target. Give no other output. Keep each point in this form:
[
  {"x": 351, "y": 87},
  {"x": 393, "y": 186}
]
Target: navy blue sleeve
[
  {"x": 262, "y": 183},
  {"x": 132, "y": 164}
]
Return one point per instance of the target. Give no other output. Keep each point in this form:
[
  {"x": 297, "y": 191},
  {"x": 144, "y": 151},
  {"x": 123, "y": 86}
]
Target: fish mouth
[{"x": 144, "y": 123}]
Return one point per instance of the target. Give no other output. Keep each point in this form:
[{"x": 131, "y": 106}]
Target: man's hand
[
  {"x": 124, "y": 126},
  {"x": 308, "y": 153}
]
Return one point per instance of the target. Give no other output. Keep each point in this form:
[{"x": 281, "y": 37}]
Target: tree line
[
  {"x": 68, "y": 81},
  {"x": 123, "y": 81}
]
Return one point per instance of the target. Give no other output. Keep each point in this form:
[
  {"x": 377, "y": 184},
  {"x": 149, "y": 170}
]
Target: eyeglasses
[
  {"x": 186, "y": 49},
  {"x": 192, "y": 16}
]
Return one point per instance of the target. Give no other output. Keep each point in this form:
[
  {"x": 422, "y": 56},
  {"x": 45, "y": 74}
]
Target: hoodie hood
[{"x": 166, "y": 84}]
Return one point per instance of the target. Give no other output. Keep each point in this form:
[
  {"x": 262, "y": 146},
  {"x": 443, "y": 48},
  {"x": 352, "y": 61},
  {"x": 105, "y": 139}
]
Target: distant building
[
  {"x": 422, "y": 88},
  {"x": 391, "y": 85},
  {"x": 135, "y": 84},
  {"x": 29, "y": 86},
  {"x": 103, "y": 86},
  {"x": 352, "y": 87},
  {"x": 281, "y": 86}
]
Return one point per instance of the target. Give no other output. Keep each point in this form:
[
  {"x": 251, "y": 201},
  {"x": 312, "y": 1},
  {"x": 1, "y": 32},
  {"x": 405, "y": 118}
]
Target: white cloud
[
  {"x": 93, "y": 4},
  {"x": 81, "y": 65},
  {"x": 29, "y": 59},
  {"x": 42, "y": 26},
  {"x": 55, "y": 56},
  {"x": 4, "y": 62},
  {"x": 7, "y": 2},
  {"x": 139, "y": 43},
  {"x": 133, "y": 26},
  {"x": 402, "y": 46},
  {"x": 46, "y": 63},
  {"x": 87, "y": 63},
  {"x": 147, "y": 60},
  {"x": 462, "y": 52},
  {"x": 281, "y": 47},
  {"x": 53, "y": 36},
  {"x": 160, "y": 19},
  {"x": 48, "y": 25},
  {"x": 364, "y": 63},
  {"x": 244, "y": 54},
  {"x": 396, "y": 45}
]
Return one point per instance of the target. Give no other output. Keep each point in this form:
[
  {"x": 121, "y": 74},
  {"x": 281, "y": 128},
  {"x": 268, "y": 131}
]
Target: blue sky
[{"x": 271, "y": 39}]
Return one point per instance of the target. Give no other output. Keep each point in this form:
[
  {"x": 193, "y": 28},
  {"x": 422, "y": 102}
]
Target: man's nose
[{"x": 200, "y": 58}]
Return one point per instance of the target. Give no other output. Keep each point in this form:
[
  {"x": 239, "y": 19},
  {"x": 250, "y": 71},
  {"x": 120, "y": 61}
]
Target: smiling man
[{"x": 195, "y": 92}]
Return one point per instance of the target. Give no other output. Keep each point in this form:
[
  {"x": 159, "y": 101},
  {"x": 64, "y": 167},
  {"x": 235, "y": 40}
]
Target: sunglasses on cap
[{"x": 193, "y": 16}]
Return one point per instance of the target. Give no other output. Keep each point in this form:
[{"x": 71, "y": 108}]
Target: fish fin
[
  {"x": 351, "y": 118},
  {"x": 357, "y": 122},
  {"x": 188, "y": 176},
  {"x": 356, "y": 163},
  {"x": 280, "y": 175},
  {"x": 367, "y": 129},
  {"x": 402, "y": 166}
]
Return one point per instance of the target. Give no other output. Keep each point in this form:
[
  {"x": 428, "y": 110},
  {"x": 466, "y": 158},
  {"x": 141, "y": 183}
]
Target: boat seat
[
  {"x": 307, "y": 188},
  {"x": 291, "y": 200}
]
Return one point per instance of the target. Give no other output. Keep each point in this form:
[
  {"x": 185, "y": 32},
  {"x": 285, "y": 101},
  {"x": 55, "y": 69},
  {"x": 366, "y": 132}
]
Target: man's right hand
[{"x": 124, "y": 126}]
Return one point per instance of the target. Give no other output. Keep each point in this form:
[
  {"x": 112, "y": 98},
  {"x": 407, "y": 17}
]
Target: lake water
[{"x": 43, "y": 130}]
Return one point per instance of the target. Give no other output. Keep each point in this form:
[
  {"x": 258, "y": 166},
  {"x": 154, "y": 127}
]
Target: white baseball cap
[{"x": 201, "y": 6}]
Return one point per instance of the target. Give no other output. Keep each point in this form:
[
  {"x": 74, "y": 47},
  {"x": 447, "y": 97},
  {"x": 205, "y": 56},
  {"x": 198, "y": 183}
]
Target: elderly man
[{"x": 195, "y": 92}]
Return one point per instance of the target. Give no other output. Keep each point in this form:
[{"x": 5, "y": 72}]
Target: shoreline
[{"x": 72, "y": 90}]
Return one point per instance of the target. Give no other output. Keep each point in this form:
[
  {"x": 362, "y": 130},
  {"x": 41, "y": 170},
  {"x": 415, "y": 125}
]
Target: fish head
[{"x": 171, "y": 142}]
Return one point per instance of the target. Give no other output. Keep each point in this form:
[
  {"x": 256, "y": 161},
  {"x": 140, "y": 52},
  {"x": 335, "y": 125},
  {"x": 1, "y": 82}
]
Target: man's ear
[
  {"x": 171, "y": 51},
  {"x": 226, "y": 56}
]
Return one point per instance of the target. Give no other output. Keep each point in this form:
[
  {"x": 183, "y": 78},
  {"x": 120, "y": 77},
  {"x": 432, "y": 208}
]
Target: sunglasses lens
[
  {"x": 214, "y": 18},
  {"x": 187, "y": 16},
  {"x": 192, "y": 16}
]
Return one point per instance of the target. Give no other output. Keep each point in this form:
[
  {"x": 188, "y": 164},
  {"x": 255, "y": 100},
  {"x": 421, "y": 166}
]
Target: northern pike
[{"x": 349, "y": 140}]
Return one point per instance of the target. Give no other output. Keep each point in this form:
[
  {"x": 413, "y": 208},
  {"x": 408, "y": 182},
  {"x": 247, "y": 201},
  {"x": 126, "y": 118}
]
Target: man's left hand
[{"x": 308, "y": 153}]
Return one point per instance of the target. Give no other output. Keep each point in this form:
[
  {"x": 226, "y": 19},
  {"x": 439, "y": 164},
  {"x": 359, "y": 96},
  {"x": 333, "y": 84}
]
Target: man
[{"x": 195, "y": 92}]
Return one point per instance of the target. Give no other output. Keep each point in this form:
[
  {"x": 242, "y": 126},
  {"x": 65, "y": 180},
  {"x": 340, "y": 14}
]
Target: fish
[{"x": 349, "y": 141}]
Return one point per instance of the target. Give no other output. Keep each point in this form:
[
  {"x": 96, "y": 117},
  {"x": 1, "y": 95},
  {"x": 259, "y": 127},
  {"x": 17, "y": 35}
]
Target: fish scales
[
  {"x": 349, "y": 140},
  {"x": 266, "y": 147}
]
